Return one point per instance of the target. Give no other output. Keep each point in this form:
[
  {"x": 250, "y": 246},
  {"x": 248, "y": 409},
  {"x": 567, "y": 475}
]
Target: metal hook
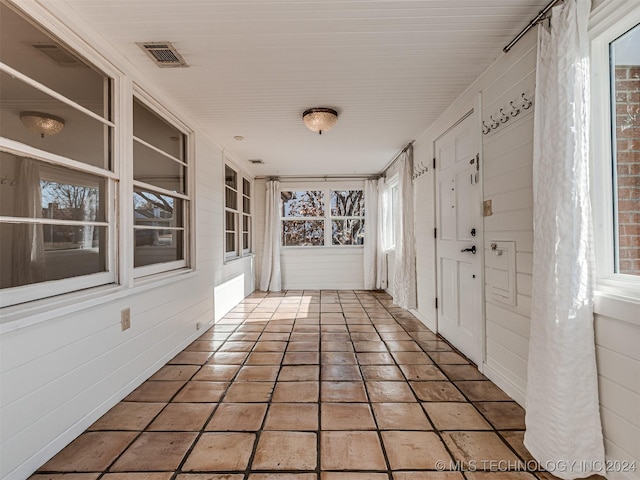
[
  {"x": 515, "y": 111},
  {"x": 526, "y": 103},
  {"x": 485, "y": 128},
  {"x": 503, "y": 117},
  {"x": 494, "y": 123}
]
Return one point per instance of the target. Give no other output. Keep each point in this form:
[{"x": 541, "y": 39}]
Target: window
[
  {"x": 161, "y": 199},
  {"x": 307, "y": 220},
  {"x": 389, "y": 211},
  {"x": 56, "y": 197},
  {"x": 238, "y": 216},
  {"x": 615, "y": 149}
]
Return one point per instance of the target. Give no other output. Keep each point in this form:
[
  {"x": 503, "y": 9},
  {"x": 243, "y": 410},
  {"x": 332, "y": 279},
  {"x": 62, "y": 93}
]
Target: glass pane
[
  {"x": 246, "y": 222},
  {"x": 302, "y": 233},
  {"x": 230, "y": 221},
  {"x": 347, "y": 203},
  {"x": 32, "y": 253},
  {"x": 155, "y": 169},
  {"x": 246, "y": 205},
  {"x": 153, "y": 129},
  {"x": 60, "y": 193},
  {"x": 230, "y": 178},
  {"x": 347, "y": 232},
  {"x": 155, "y": 210},
  {"x": 246, "y": 187},
  {"x": 36, "y": 53},
  {"x": 82, "y": 138},
  {"x": 625, "y": 75},
  {"x": 302, "y": 204},
  {"x": 230, "y": 198},
  {"x": 157, "y": 246},
  {"x": 245, "y": 241},
  {"x": 230, "y": 242}
]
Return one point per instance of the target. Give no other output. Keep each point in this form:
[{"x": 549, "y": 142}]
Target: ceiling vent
[
  {"x": 58, "y": 55},
  {"x": 257, "y": 161},
  {"x": 164, "y": 54}
]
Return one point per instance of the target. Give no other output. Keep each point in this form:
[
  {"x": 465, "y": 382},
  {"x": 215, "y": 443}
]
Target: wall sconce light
[
  {"x": 319, "y": 119},
  {"x": 42, "y": 124}
]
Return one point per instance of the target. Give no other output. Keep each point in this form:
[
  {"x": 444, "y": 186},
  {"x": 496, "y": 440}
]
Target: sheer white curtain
[
  {"x": 404, "y": 275},
  {"x": 563, "y": 419},
  {"x": 381, "y": 257},
  {"x": 371, "y": 236},
  {"x": 28, "y": 262},
  {"x": 270, "y": 276}
]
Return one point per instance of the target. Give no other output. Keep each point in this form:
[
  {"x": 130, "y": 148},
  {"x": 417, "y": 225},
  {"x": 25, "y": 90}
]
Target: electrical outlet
[
  {"x": 125, "y": 318},
  {"x": 487, "y": 210}
]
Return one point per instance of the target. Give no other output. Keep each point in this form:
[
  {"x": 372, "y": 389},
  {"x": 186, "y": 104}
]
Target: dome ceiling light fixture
[
  {"x": 319, "y": 119},
  {"x": 42, "y": 124}
]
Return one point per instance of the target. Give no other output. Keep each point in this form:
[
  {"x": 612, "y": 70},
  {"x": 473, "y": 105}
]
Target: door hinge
[
  {"x": 435, "y": 233},
  {"x": 434, "y": 162},
  {"x": 436, "y": 303}
]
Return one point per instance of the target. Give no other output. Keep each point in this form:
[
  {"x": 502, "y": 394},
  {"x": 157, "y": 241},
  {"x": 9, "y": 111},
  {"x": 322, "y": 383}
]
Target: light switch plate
[
  {"x": 125, "y": 319},
  {"x": 486, "y": 210}
]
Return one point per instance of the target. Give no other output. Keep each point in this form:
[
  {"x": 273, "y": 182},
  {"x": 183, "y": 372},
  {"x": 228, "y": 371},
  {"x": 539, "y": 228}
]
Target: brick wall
[{"x": 628, "y": 165}]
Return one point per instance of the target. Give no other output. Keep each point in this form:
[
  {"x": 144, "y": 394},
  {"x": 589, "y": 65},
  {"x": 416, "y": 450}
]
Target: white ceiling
[{"x": 389, "y": 67}]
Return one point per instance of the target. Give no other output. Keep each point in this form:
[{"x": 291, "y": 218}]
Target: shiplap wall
[
  {"x": 61, "y": 374},
  {"x": 311, "y": 268},
  {"x": 507, "y": 160}
]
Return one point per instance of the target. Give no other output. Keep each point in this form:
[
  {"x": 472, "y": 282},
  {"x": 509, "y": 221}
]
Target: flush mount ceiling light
[
  {"x": 42, "y": 124},
  {"x": 319, "y": 119}
]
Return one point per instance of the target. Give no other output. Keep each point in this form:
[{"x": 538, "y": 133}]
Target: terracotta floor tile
[
  {"x": 264, "y": 358},
  {"x": 237, "y": 417},
  {"x": 154, "y": 391},
  {"x": 65, "y": 476},
  {"x": 285, "y": 451},
  {"x": 412, "y": 358},
  {"x": 237, "y": 346},
  {"x": 346, "y": 416},
  {"x": 481, "y": 391},
  {"x": 395, "y": 336},
  {"x": 269, "y": 346},
  {"x": 155, "y": 451},
  {"x": 128, "y": 416},
  {"x": 483, "y": 448},
  {"x": 138, "y": 476},
  {"x": 516, "y": 440},
  {"x": 297, "y": 373},
  {"x": 282, "y": 476},
  {"x": 303, "y": 347},
  {"x": 437, "y": 392},
  {"x": 351, "y": 451},
  {"x": 422, "y": 373},
  {"x": 336, "y": 346},
  {"x": 90, "y": 452},
  {"x": 390, "y": 392},
  {"x": 258, "y": 373},
  {"x": 338, "y": 358},
  {"x": 194, "y": 392},
  {"x": 382, "y": 372},
  {"x": 301, "y": 358},
  {"x": 369, "y": 358},
  {"x": 274, "y": 336},
  {"x": 414, "y": 450},
  {"x": 228, "y": 358},
  {"x": 190, "y": 358},
  {"x": 402, "y": 346},
  {"x": 365, "y": 337},
  {"x": 217, "y": 373},
  {"x": 503, "y": 415},
  {"x": 462, "y": 372},
  {"x": 340, "y": 373},
  {"x": 183, "y": 417},
  {"x": 448, "y": 358},
  {"x": 249, "y": 392},
  {"x": 455, "y": 416},
  {"x": 401, "y": 416},
  {"x": 500, "y": 476},
  {"x": 370, "y": 347},
  {"x": 342, "y": 392},
  {"x": 209, "y": 346},
  {"x": 427, "y": 476},
  {"x": 210, "y": 476},
  {"x": 221, "y": 452},
  {"x": 292, "y": 416},
  {"x": 292, "y": 392},
  {"x": 244, "y": 337},
  {"x": 353, "y": 476}
]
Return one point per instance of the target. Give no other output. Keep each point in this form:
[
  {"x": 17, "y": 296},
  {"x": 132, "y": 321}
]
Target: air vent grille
[
  {"x": 58, "y": 55},
  {"x": 257, "y": 161},
  {"x": 164, "y": 54}
]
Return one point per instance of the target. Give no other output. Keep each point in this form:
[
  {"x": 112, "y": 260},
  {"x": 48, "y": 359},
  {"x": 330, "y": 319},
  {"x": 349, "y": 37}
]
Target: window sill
[
  {"x": 27, "y": 314},
  {"x": 617, "y": 303},
  {"x": 235, "y": 259}
]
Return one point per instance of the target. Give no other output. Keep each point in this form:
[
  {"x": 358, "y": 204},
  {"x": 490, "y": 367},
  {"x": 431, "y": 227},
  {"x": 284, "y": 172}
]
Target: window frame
[
  {"x": 389, "y": 214},
  {"x": 326, "y": 188},
  {"x": 238, "y": 213},
  {"x": 607, "y": 24},
  {"x": 188, "y": 207},
  {"x": 18, "y": 295}
]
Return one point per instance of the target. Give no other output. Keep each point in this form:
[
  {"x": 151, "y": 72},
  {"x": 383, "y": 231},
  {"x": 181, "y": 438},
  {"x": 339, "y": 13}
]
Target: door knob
[{"x": 472, "y": 249}]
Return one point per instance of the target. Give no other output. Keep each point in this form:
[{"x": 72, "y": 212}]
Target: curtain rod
[
  {"x": 532, "y": 23},
  {"x": 393, "y": 160},
  {"x": 325, "y": 178}
]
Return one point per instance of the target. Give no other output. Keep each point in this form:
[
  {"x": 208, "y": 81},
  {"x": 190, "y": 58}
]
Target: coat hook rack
[
  {"x": 11, "y": 182},
  {"x": 420, "y": 170},
  {"x": 503, "y": 117}
]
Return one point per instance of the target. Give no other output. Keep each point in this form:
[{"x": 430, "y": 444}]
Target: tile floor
[{"x": 313, "y": 385}]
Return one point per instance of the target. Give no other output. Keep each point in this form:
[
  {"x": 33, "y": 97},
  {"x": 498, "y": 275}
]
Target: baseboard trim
[
  {"x": 428, "y": 322},
  {"x": 506, "y": 384}
]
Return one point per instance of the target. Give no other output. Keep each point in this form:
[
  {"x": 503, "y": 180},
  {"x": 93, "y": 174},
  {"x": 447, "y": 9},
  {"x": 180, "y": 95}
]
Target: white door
[{"x": 459, "y": 238}]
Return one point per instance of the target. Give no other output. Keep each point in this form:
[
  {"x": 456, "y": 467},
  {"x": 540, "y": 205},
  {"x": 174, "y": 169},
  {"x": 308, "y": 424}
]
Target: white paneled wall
[{"x": 68, "y": 363}]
